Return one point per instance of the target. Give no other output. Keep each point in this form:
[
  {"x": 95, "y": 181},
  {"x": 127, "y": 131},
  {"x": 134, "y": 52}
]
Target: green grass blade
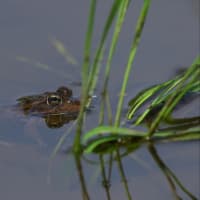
[
  {"x": 87, "y": 46},
  {"x": 134, "y": 46},
  {"x": 85, "y": 71},
  {"x": 95, "y": 69},
  {"x": 105, "y": 130},
  {"x": 105, "y": 96}
]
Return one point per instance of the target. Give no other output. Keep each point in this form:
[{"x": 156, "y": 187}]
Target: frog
[{"x": 56, "y": 108}]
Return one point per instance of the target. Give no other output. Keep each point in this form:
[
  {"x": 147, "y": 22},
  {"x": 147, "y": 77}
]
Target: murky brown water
[{"x": 170, "y": 40}]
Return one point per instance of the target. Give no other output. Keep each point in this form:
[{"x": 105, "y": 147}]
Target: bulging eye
[
  {"x": 54, "y": 100},
  {"x": 69, "y": 101}
]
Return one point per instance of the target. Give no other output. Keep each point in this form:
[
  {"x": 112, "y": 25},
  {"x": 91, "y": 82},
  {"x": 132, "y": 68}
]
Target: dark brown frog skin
[{"x": 56, "y": 108}]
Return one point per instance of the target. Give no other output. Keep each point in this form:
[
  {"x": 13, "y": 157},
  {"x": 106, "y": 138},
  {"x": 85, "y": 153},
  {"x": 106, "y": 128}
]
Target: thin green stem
[
  {"x": 85, "y": 70},
  {"x": 118, "y": 27},
  {"x": 105, "y": 97},
  {"x": 95, "y": 69},
  {"x": 136, "y": 40},
  {"x": 87, "y": 46}
]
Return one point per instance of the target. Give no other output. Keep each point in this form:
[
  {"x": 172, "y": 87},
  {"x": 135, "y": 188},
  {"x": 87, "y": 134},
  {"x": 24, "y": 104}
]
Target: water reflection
[
  {"x": 171, "y": 177},
  {"x": 106, "y": 163},
  {"x": 57, "y": 121}
]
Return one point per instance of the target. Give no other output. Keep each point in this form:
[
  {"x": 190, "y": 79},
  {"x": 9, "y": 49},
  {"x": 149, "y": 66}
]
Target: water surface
[{"x": 170, "y": 40}]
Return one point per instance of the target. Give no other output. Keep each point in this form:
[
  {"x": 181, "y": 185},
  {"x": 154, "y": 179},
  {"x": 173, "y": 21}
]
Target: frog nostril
[{"x": 54, "y": 100}]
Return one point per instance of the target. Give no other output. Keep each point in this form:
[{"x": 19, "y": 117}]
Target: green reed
[
  {"x": 170, "y": 92},
  {"x": 91, "y": 70},
  {"x": 108, "y": 139},
  {"x": 91, "y": 67}
]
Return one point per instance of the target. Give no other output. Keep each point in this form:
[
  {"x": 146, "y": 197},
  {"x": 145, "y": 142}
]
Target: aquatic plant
[{"x": 115, "y": 140}]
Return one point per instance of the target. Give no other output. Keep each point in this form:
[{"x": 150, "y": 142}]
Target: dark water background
[{"x": 170, "y": 40}]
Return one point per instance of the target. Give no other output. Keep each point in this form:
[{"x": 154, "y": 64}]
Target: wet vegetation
[{"x": 111, "y": 140}]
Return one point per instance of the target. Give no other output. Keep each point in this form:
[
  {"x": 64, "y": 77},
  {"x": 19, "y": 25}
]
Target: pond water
[{"x": 170, "y": 40}]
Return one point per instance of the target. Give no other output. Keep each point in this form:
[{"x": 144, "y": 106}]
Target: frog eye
[
  {"x": 69, "y": 101},
  {"x": 54, "y": 100}
]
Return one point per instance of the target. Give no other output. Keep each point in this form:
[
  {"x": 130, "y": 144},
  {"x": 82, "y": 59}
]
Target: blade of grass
[
  {"x": 105, "y": 97},
  {"x": 85, "y": 71},
  {"x": 92, "y": 78},
  {"x": 87, "y": 46},
  {"x": 169, "y": 103},
  {"x": 103, "y": 130},
  {"x": 182, "y": 92},
  {"x": 109, "y": 21},
  {"x": 134, "y": 46}
]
